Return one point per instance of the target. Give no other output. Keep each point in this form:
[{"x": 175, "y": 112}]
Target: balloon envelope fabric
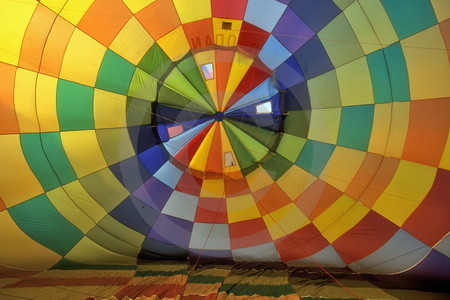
[{"x": 314, "y": 133}]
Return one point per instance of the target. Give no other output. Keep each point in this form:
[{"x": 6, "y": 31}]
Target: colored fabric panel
[
  {"x": 355, "y": 127},
  {"x": 34, "y": 215},
  {"x": 314, "y": 156},
  {"x": 115, "y": 73},
  {"x": 74, "y": 106}
]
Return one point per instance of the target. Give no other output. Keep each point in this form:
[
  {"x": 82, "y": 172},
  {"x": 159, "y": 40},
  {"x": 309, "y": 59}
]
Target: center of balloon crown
[{"x": 219, "y": 116}]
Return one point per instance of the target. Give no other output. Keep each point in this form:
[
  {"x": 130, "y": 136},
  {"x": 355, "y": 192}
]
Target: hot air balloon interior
[{"x": 224, "y": 149}]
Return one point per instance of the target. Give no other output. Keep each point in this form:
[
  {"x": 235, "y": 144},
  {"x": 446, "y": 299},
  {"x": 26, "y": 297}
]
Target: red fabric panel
[
  {"x": 188, "y": 151},
  {"x": 372, "y": 232},
  {"x": 301, "y": 243},
  {"x": 211, "y": 210},
  {"x": 431, "y": 220},
  {"x": 236, "y": 187},
  {"x": 230, "y": 9},
  {"x": 252, "y": 38},
  {"x": 199, "y": 33},
  {"x": 270, "y": 198},
  {"x": 248, "y": 233},
  {"x": 189, "y": 184}
]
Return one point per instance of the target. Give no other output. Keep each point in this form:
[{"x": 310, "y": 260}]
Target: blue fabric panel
[
  {"x": 297, "y": 97},
  {"x": 153, "y": 158},
  {"x": 315, "y": 13},
  {"x": 289, "y": 74},
  {"x": 313, "y": 59},
  {"x": 131, "y": 173}
]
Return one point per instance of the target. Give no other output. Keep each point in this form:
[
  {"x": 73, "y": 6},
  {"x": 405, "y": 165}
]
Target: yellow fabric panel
[
  {"x": 406, "y": 191},
  {"x": 109, "y": 109},
  {"x": 115, "y": 228},
  {"x": 67, "y": 207},
  {"x": 242, "y": 208},
  {"x": 380, "y": 21},
  {"x": 132, "y": 42},
  {"x": 240, "y": 66},
  {"x": 295, "y": 181},
  {"x": 258, "y": 179},
  {"x": 83, "y": 151},
  {"x": 355, "y": 84},
  {"x": 428, "y": 69},
  {"x": 88, "y": 252},
  {"x": 226, "y": 147},
  {"x": 14, "y": 19},
  {"x": 15, "y": 174},
  {"x": 137, "y": 5},
  {"x": 200, "y": 158},
  {"x": 74, "y": 10},
  {"x": 175, "y": 44},
  {"x": 192, "y": 10},
  {"x": 226, "y": 37},
  {"x": 17, "y": 246},
  {"x": 25, "y": 100},
  {"x": 342, "y": 167},
  {"x": 398, "y": 129},
  {"x": 285, "y": 220},
  {"x": 206, "y": 57},
  {"x": 362, "y": 27},
  {"x": 46, "y": 103},
  {"x": 380, "y": 128},
  {"x": 324, "y": 125},
  {"x": 82, "y": 59},
  {"x": 345, "y": 221},
  {"x": 84, "y": 201},
  {"x": 445, "y": 160},
  {"x": 214, "y": 188},
  {"x": 441, "y": 9},
  {"x": 115, "y": 144}
]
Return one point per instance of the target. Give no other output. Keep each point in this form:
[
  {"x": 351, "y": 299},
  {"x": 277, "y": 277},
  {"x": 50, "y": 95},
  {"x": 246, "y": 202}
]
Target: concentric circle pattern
[{"x": 306, "y": 132}]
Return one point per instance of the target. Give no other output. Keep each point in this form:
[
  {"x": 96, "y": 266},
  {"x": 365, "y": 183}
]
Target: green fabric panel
[
  {"x": 143, "y": 86},
  {"x": 74, "y": 106},
  {"x": 53, "y": 147},
  {"x": 169, "y": 97},
  {"x": 40, "y": 220},
  {"x": 255, "y": 148},
  {"x": 410, "y": 16},
  {"x": 160, "y": 273},
  {"x": 67, "y": 264},
  {"x": 116, "y": 228},
  {"x": 314, "y": 156},
  {"x": 104, "y": 187},
  {"x": 324, "y": 91},
  {"x": 398, "y": 72},
  {"x": 190, "y": 70},
  {"x": 297, "y": 123},
  {"x": 340, "y": 41},
  {"x": 178, "y": 82},
  {"x": 342, "y": 4},
  {"x": 155, "y": 61},
  {"x": 115, "y": 144},
  {"x": 246, "y": 162},
  {"x": 115, "y": 73},
  {"x": 205, "y": 279},
  {"x": 113, "y": 244},
  {"x": 276, "y": 166},
  {"x": 356, "y": 126},
  {"x": 37, "y": 160},
  {"x": 257, "y": 289},
  {"x": 139, "y": 112},
  {"x": 290, "y": 146},
  {"x": 380, "y": 77},
  {"x": 264, "y": 136}
]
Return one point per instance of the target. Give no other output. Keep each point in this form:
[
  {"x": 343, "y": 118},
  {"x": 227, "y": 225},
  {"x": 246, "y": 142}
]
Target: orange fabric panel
[
  {"x": 159, "y": 18},
  {"x": 224, "y": 60},
  {"x": 214, "y": 163},
  {"x": 428, "y": 129},
  {"x": 445, "y": 31},
  {"x": 56, "y": 46},
  {"x": 380, "y": 181},
  {"x": 104, "y": 20},
  {"x": 264, "y": 199},
  {"x": 7, "y": 111},
  {"x": 199, "y": 33},
  {"x": 317, "y": 198},
  {"x": 364, "y": 175},
  {"x": 35, "y": 37},
  {"x": 236, "y": 187},
  {"x": 2, "y": 204}
]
